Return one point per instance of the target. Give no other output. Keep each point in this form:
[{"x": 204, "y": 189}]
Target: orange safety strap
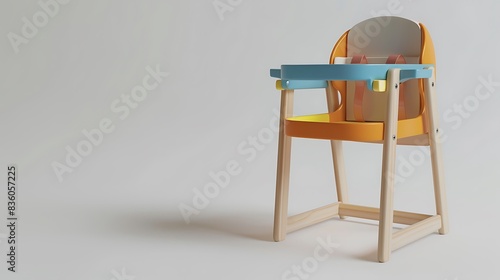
[
  {"x": 399, "y": 59},
  {"x": 359, "y": 89}
]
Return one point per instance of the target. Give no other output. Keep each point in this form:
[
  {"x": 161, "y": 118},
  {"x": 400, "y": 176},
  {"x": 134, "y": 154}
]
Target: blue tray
[{"x": 317, "y": 75}]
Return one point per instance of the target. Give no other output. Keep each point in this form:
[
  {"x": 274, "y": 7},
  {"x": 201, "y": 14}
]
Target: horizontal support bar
[
  {"x": 416, "y": 231},
  {"x": 372, "y": 213},
  {"x": 312, "y": 217}
]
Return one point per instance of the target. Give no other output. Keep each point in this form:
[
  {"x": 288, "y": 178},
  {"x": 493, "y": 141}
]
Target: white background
[{"x": 117, "y": 212}]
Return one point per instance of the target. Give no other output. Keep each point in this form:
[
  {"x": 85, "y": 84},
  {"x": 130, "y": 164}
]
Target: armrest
[{"x": 317, "y": 75}]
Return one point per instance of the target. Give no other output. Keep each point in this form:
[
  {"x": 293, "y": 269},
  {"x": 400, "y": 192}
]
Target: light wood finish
[
  {"x": 417, "y": 140},
  {"x": 339, "y": 171},
  {"x": 313, "y": 217},
  {"x": 372, "y": 213},
  {"x": 388, "y": 167},
  {"x": 333, "y": 103},
  {"x": 415, "y": 232},
  {"x": 283, "y": 172},
  {"x": 435, "y": 147},
  {"x": 419, "y": 225}
]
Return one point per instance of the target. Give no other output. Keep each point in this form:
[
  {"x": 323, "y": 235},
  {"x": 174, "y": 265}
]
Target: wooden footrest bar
[
  {"x": 372, "y": 213},
  {"x": 420, "y": 224},
  {"x": 415, "y": 231},
  {"x": 313, "y": 217}
]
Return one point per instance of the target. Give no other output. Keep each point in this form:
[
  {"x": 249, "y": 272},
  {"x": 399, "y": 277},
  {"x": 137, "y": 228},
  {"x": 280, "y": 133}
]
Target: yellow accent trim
[
  {"x": 379, "y": 85},
  {"x": 311, "y": 118},
  {"x": 278, "y": 85}
]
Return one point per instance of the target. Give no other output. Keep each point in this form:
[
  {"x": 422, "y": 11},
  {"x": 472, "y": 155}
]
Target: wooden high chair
[{"x": 380, "y": 88}]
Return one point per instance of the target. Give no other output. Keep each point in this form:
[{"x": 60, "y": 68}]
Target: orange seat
[{"x": 333, "y": 126}]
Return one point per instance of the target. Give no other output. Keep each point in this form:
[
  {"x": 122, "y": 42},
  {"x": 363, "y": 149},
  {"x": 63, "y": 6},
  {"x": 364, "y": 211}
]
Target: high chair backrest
[{"x": 391, "y": 40}]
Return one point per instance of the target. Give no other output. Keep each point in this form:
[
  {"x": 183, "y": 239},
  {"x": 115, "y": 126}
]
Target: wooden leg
[
  {"x": 388, "y": 168},
  {"x": 339, "y": 171},
  {"x": 337, "y": 152},
  {"x": 435, "y": 146},
  {"x": 283, "y": 171}
]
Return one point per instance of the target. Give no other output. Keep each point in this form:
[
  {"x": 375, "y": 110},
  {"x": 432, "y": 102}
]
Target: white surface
[{"x": 118, "y": 209}]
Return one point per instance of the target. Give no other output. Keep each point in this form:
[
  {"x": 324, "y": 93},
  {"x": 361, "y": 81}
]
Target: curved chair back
[{"x": 382, "y": 40}]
